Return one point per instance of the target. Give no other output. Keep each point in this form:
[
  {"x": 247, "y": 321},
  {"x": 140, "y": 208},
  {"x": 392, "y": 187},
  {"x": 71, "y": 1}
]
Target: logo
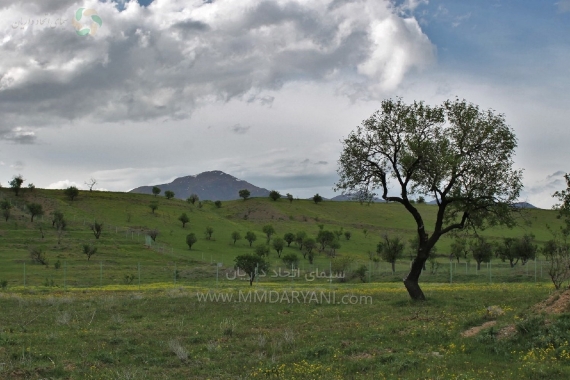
[{"x": 86, "y": 21}]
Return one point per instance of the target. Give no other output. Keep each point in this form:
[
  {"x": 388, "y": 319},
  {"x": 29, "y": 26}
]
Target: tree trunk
[
  {"x": 478, "y": 265},
  {"x": 393, "y": 267},
  {"x": 411, "y": 281}
]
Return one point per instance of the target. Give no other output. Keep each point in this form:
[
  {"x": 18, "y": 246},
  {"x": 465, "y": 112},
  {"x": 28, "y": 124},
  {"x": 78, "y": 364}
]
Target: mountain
[
  {"x": 351, "y": 197},
  {"x": 214, "y": 185},
  {"x": 517, "y": 204}
]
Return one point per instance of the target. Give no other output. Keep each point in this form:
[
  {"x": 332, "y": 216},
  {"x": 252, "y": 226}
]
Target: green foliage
[
  {"x": 250, "y": 237},
  {"x": 3, "y": 284},
  {"x": 5, "y": 206},
  {"x": 153, "y": 206},
  {"x": 153, "y": 233},
  {"x": 289, "y": 198},
  {"x": 16, "y": 184},
  {"x": 325, "y": 239},
  {"x": 236, "y": 236},
  {"x": 459, "y": 248},
  {"x": 268, "y": 230},
  {"x": 289, "y": 237},
  {"x": 191, "y": 239},
  {"x": 193, "y": 198},
  {"x": 244, "y": 194},
  {"x": 290, "y": 259},
  {"x": 35, "y": 209},
  {"x": 390, "y": 249},
  {"x": 71, "y": 192},
  {"x": 251, "y": 264},
  {"x": 360, "y": 272},
  {"x": 169, "y": 194},
  {"x": 300, "y": 238},
  {"x": 274, "y": 195},
  {"x": 309, "y": 245},
  {"x": 563, "y": 196},
  {"x": 347, "y": 235},
  {"x": 457, "y": 152},
  {"x": 482, "y": 251},
  {"x": 218, "y": 204},
  {"x": 89, "y": 250},
  {"x": 340, "y": 266},
  {"x": 278, "y": 244},
  {"x": 262, "y": 250},
  {"x": 209, "y": 231},
  {"x": 557, "y": 252},
  {"x": 317, "y": 198},
  {"x": 184, "y": 219},
  {"x": 156, "y": 190}
]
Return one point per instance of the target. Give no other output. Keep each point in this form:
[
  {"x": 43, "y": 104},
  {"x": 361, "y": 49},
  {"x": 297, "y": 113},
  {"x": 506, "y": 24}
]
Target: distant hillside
[
  {"x": 518, "y": 204},
  {"x": 351, "y": 197},
  {"x": 213, "y": 185}
]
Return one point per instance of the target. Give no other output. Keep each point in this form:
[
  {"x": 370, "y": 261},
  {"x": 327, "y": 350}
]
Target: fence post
[
  {"x": 139, "y": 265},
  {"x": 101, "y": 274},
  {"x": 24, "y": 275},
  {"x": 65, "y": 274},
  {"x": 535, "y": 269},
  {"x": 175, "y": 272}
]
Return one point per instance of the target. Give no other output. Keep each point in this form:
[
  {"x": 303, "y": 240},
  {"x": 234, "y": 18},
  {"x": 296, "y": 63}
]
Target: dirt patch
[
  {"x": 557, "y": 303},
  {"x": 506, "y": 332},
  {"x": 475, "y": 330}
]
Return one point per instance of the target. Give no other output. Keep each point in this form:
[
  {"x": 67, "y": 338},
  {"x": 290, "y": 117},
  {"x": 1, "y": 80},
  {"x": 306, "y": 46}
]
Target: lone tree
[
  {"x": 289, "y": 237},
  {"x": 89, "y": 250},
  {"x": 71, "y": 192},
  {"x": 91, "y": 183},
  {"x": 317, "y": 198},
  {"x": 236, "y": 236},
  {"x": 289, "y": 197},
  {"x": 193, "y": 198},
  {"x": 169, "y": 194},
  {"x": 5, "y": 206},
  {"x": 209, "y": 231},
  {"x": 244, "y": 194},
  {"x": 97, "y": 228},
  {"x": 156, "y": 190},
  {"x": 390, "y": 250},
  {"x": 35, "y": 209},
  {"x": 274, "y": 194},
  {"x": 16, "y": 184},
  {"x": 482, "y": 251},
  {"x": 250, "y": 237},
  {"x": 252, "y": 265},
  {"x": 278, "y": 244},
  {"x": 455, "y": 153},
  {"x": 191, "y": 239},
  {"x": 153, "y": 206},
  {"x": 184, "y": 219},
  {"x": 268, "y": 230}
]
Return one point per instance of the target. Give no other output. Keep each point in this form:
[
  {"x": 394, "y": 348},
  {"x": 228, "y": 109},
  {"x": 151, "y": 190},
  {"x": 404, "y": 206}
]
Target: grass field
[{"x": 164, "y": 312}]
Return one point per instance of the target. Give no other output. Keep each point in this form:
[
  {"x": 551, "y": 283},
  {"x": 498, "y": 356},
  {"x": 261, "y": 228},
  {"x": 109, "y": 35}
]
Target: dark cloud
[
  {"x": 239, "y": 129},
  {"x": 19, "y": 136}
]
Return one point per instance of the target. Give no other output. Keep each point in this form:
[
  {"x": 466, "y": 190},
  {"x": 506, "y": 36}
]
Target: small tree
[
  {"x": 557, "y": 252},
  {"x": 91, "y": 183},
  {"x": 236, "y": 236},
  {"x": 309, "y": 246},
  {"x": 169, "y": 194},
  {"x": 184, "y": 219},
  {"x": 317, "y": 198},
  {"x": 244, "y": 194},
  {"x": 209, "y": 232},
  {"x": 153, "y": 233},
  {"x": 325, "y": 238},
  {"x": 482, "y": 251},
  {"x": 252, "y": 265},
  {"x": 421, "y": 200},
  {"x": 16, "y": 184},
  {"x": 527, "y": 249},
  {"x": 59, "y": 223},
  {"x": 289, "y": 198},
  {"x": 347, "y": 235},
  {"x": 97, "y": 228},
  {"x": 153, "y": 206},
  {"x": 268, "y": 230},
  {"x": 299, "y": 239},
  {"x": 290, "y": 259},
  {"x": 38, "y": 256},
  {"x": 278, "y": 245},
  {"x": 459, "y": 248},
  {"x": 218, "y": 204},
  {"x": 191, "y": 239},
  {"x": 31, "y": 186},
  {"x": 5, "y": 206},
  {"x": 156, "y": 190},
  {"x": 289, "y": 237},
  {"x": 89, "y": 250},
  {"x": 508, "y": 251},
  {"x": 71, "y": 192},
  {"x": 250, "y": 237},
  {"x": 262, "y": 250},
  {"x": 390, "y": 250},
  {"x": 35, "y": 209},
  {"x": 193, "y": 198},
  {"x": 274, "y": 195}
]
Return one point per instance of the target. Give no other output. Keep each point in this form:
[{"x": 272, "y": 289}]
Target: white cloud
[
  {"x": 166, "y": 59},
  {"x": 64, "y": 184},
  {"x": 563, "y": 5}
]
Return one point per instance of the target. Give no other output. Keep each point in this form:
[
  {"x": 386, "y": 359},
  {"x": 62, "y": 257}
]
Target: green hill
[{"x": 122, "y": 253}]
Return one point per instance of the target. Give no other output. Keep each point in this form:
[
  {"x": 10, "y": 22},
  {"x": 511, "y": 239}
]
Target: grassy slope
[{"x": 126, "y": 216}]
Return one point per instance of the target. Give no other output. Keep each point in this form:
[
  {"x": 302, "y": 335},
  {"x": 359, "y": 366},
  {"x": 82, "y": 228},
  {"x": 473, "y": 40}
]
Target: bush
[
  {"x": 290, "y": 259},
  {"x": 360, "y": 272},
  {"x": 3, "y": 284},
  {"x": 218, "y": 204}
]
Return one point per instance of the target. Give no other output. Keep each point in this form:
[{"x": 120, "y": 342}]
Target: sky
[{"x": 265, "y": 90}]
